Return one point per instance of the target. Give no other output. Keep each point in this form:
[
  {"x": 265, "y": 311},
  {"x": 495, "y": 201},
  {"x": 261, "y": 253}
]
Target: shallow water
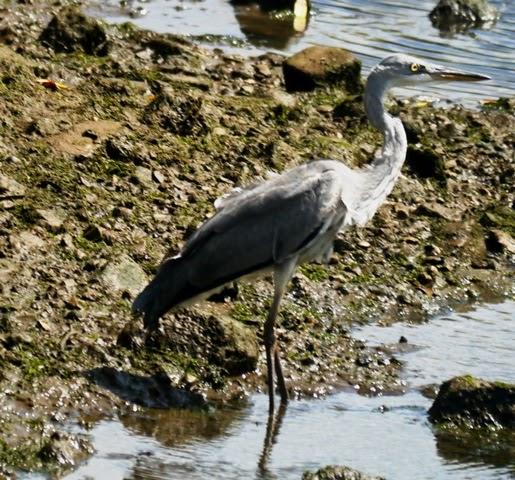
[
  {"x": 385, "y": 435},
  {"x": 371, "y": 29}
]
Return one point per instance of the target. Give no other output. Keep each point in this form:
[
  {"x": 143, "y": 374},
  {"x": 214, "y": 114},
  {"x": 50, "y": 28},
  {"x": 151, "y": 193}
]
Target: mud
[{"x": 113, "y": 151}]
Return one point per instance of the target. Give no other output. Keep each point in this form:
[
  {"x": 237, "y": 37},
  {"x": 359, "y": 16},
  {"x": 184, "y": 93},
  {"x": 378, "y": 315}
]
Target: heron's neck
[{"x": 378, "y": 178}]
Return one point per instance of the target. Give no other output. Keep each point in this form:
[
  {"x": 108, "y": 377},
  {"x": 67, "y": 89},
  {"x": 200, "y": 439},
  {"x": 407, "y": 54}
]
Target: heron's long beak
[{"x": 442, "y": 73}]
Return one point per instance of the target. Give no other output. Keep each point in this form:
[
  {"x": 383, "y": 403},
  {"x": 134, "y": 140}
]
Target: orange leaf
[{"x": 53, "y": 85}]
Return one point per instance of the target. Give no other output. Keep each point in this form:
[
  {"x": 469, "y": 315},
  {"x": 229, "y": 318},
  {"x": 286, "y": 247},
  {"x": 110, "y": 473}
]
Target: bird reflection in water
[
  {"x": 178, "y": 428},
  {"x": 272, "y": 24},
  {"x": 273, "y": 426}
]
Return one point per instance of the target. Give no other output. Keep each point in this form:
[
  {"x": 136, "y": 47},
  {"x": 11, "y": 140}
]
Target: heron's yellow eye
[{"x": 414, "y": 67}]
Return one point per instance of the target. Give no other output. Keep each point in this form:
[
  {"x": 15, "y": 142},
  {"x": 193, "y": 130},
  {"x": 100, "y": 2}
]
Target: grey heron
[{"x": 291, "y": 218}]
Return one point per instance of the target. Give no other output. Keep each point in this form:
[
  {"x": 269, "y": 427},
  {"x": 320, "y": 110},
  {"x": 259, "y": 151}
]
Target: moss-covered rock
[
  {"x": 338, "y": 473},
  {"x": 321, "y": 66},
  {"x": 474, "y": 403},
  {"x": 70, "y": 30},
  {"x": 458, "y": 15}
]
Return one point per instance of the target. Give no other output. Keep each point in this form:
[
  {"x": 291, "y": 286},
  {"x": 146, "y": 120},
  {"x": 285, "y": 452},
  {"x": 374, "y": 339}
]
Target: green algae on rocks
[{"x": 474, "y": 403}]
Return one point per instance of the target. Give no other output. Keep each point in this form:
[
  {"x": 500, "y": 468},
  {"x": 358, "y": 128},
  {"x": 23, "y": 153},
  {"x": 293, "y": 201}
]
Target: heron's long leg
[
  {"x": 280, "y": 377},
  {"x": 282, "y": 276}
]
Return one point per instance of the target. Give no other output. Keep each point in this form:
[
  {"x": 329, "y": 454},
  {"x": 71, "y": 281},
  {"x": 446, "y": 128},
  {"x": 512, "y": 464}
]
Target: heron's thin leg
[
  {"x": 282, "y": 275},
  {"x": 269, "y": 341},
  {"x": 280, "y": 377}
]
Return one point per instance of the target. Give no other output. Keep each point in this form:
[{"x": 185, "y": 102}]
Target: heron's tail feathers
[{"x": 167, "y": 289}]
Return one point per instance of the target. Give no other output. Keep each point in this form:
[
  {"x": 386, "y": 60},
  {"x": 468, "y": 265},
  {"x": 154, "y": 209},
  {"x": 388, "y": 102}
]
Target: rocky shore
[{"x": 114, "y": 144}]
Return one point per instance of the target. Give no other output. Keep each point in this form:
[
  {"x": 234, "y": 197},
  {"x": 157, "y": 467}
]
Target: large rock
[
  {"x": 459, "y": 15},
  {"x": 474, "y": 403},
  {"x": 338, "y": 473},
  {"x": 318, "y": 66},
  {"x": 70, "y": 30},
  {"x": 238, "y": 349},
  {"x": 217, "y": 338}
]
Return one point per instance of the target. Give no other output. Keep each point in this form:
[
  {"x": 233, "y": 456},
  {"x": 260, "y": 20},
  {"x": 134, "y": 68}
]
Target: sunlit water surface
[
  {"x": 371, "y": 29},
  {"x": 385, "y": 435}
]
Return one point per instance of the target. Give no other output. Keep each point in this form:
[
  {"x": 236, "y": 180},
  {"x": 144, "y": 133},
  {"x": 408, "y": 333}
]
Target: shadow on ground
[{"x": 155, "y": 391}]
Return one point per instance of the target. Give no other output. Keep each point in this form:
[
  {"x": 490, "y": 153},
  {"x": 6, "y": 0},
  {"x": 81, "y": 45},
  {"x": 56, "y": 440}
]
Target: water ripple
[{"x": 369, "y": 28}]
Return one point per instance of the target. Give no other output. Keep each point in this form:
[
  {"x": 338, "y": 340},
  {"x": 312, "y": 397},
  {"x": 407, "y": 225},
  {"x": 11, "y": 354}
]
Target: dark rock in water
[
  {"x": 70, "y": 30},
  {"x": 459, "y": 15},
  {"x": 474, "y": 403},
  {"x": 320, "y": 66},
  {"x": 270, "y": 4},
  {"x": 272, "y": 23},
  {"x": 338, "y": 473}
]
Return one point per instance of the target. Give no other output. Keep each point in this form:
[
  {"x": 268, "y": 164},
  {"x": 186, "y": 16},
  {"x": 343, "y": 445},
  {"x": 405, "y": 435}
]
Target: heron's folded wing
[{"x": 269, "y": 224}]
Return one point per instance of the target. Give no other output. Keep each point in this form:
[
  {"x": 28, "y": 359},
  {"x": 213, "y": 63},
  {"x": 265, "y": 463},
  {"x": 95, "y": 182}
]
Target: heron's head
[{"x": 404, "y": 70}]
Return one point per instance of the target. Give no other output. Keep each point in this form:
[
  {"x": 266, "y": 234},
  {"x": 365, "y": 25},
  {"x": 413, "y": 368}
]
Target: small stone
[
  {"x": 88, "y": 133},
  {"x": 438, "y": 211},
  {"x": 434, "y": 260},
  {"x": 26, "y": 241},
  {"x": 284, "y": 99},
  {"x": 158, "y": 177},
  {"x": 190, "y": 379},
  {"x": 43, "y": 325},
  {"x": 219, "y": 131},
  {"x": 431, "y": 249},
  {"x": 124, "y": 274},
  {"x": 65, "y": 449},
  {"x": 433, "y": 271},
  {"x": 52, "y": 220},
  {"x": 248, "y": 89},
  {"x": 402, "y": 212},
  {"x": 425, "y": 279},
  {"x": 94, "y": 233},
  {"x": 263, "y": 69},
  {"x": 143, "y": 175},
  {"x": 10, "y": 187},
  {"x": 335, "y": 472},
  {"x": 66, "y": 240},
  {"x": 499, "y": 241}
]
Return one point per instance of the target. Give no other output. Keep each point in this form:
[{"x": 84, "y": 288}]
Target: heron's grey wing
[
  {"x": 237, "y": 193},
  {"x": 267, "y": 225}
]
